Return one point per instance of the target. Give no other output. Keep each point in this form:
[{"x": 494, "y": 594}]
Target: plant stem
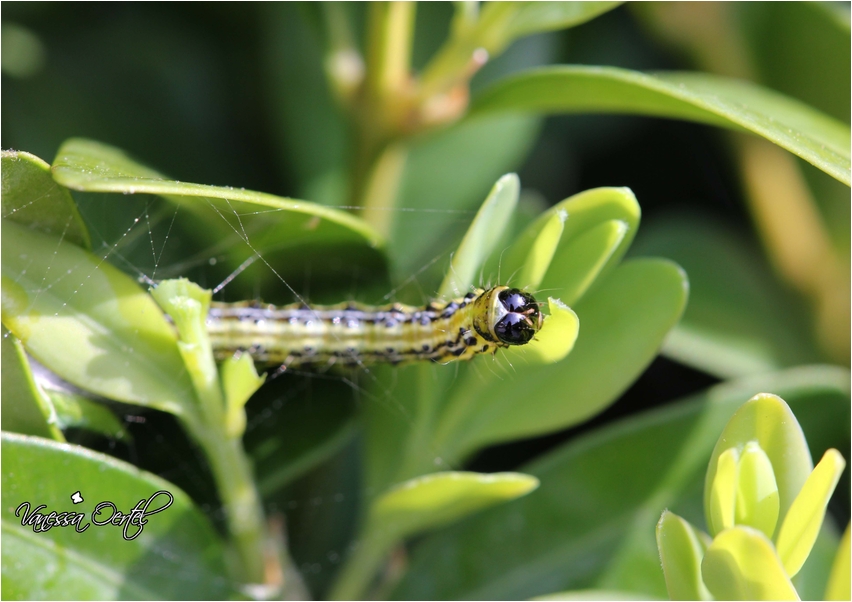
[
  {"x": 234, "y": 482},
  {"x": 383, "y": 108}
]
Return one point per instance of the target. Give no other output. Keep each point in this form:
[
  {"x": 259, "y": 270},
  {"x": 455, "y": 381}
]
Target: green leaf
[
  {"x": 709, "y": 99},
  {"x": 187, "y": 304},
  {"x": 482, "y": 235},
  {"x": 31, "y": 197},
  {"x": 739, "y": 320},
  {"x": 575, "y": 264},
  {"x": 573, "y": 533},
  {"x": 89, "y": 323},
  {"x": 682, "y": 548},
  {"x": 177, "y": 556},
  {"x": 262, "y": 221},
  {"x": 741, "y": 564},
  {"x": 76, "y": 411},
  {"x": 757, "y": 491},
  {"x": 801, "y": 49},
  {"x": 420, "y": 504},
  {"x": 25, "y": 410},
  {"x": 624, "y": 322},
  {"x": 767, "y": 419},
  {"x": 437, "y": 499},
  {"x": 239, "y": 382},
  {"x": 838, "y": 587},
  {"x": 804, "y": 518},
  {"x": 538, "y": 255},
  {"x": 723, "y": 492},
  {"x": 535, "y": 17}
]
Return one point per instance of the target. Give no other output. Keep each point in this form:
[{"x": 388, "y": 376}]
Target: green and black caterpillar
[{"x": 353, "y": 334}]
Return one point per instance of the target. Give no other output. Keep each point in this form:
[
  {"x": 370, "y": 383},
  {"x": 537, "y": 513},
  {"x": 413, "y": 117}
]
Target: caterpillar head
[{"x": 513, "y": 316}]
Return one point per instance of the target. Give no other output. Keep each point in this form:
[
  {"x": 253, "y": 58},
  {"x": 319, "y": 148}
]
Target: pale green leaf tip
[
  {"x": 801, "y": 526},
  {"x": 723, "y": 491},
  {"x": 757, "y": 503},
  {"x": 742, "y": 564}
]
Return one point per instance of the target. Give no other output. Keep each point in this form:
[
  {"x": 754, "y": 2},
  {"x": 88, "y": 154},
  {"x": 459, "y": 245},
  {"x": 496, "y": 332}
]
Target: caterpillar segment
[{"x": 353, "y": 334}]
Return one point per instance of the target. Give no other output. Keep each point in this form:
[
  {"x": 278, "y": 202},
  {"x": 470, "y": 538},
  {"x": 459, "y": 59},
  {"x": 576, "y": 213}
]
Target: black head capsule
[{"x": 521, "y": 317}]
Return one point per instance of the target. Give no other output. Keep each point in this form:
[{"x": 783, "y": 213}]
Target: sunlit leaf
[
  {"x": 31, "y": 197},
  {"x": 767, "y": 419},
  {"x": 178, "y": 555},
  {"x": 573, "y": 533},
  {"x": 704, "y": 98},
  {"x": 682, "y": 548},
  {"x": 741, "y": 564},
  {"x": 484, "y": 232},
  {"x": 263, "y": 220},
  {"x": 25, "y": 410},
  {"x": 804, "y": 518},
  {"x": 89, "y": 323},
  {"x": 623, "y": 322}
]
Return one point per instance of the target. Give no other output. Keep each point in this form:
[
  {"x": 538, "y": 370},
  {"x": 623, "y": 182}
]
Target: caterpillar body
[{"x": 353, "y": 334}]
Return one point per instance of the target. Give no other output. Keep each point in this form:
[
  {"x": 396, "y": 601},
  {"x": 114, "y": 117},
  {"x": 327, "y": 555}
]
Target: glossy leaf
[
  {"x": 741, "y": 564},
  {"x": 838, "y": 587},
  {"x": 801, "y": 49},
  {"x": 31, "y": 197},
  {"x": 682, "y": 548},
  {"x": 624, "y": 320},
  {"x": 713, "y": 100},
  {"x": 573, "y": 533},
  {"x": 25, "y": 410},
  {"x": 578, "y": 264},
  {"x": 578, "y": 214},
  {"x": 484, "y": 232},
  {"x": 804, "y": 518},
  {"x": 57, "y": 298},
  {"x": 263, "y": 220},
  {"x": 539, "y": 254},
  {"x": 434, "y": 500},
  {"x": 178, "y": 555},
  {"x": 767, "y": 419}
]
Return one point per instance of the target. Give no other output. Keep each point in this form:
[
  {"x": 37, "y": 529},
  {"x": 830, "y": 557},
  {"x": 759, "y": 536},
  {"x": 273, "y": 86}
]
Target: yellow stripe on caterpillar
[{"x": 355, "y": 334}]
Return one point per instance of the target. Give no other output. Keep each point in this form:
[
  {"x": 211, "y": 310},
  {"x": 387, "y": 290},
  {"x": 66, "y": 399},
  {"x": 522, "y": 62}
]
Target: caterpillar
[{"x": 353, "y": 334}]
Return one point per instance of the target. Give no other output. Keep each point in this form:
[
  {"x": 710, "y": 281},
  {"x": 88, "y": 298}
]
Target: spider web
[{"x": 308, "y": 417}]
